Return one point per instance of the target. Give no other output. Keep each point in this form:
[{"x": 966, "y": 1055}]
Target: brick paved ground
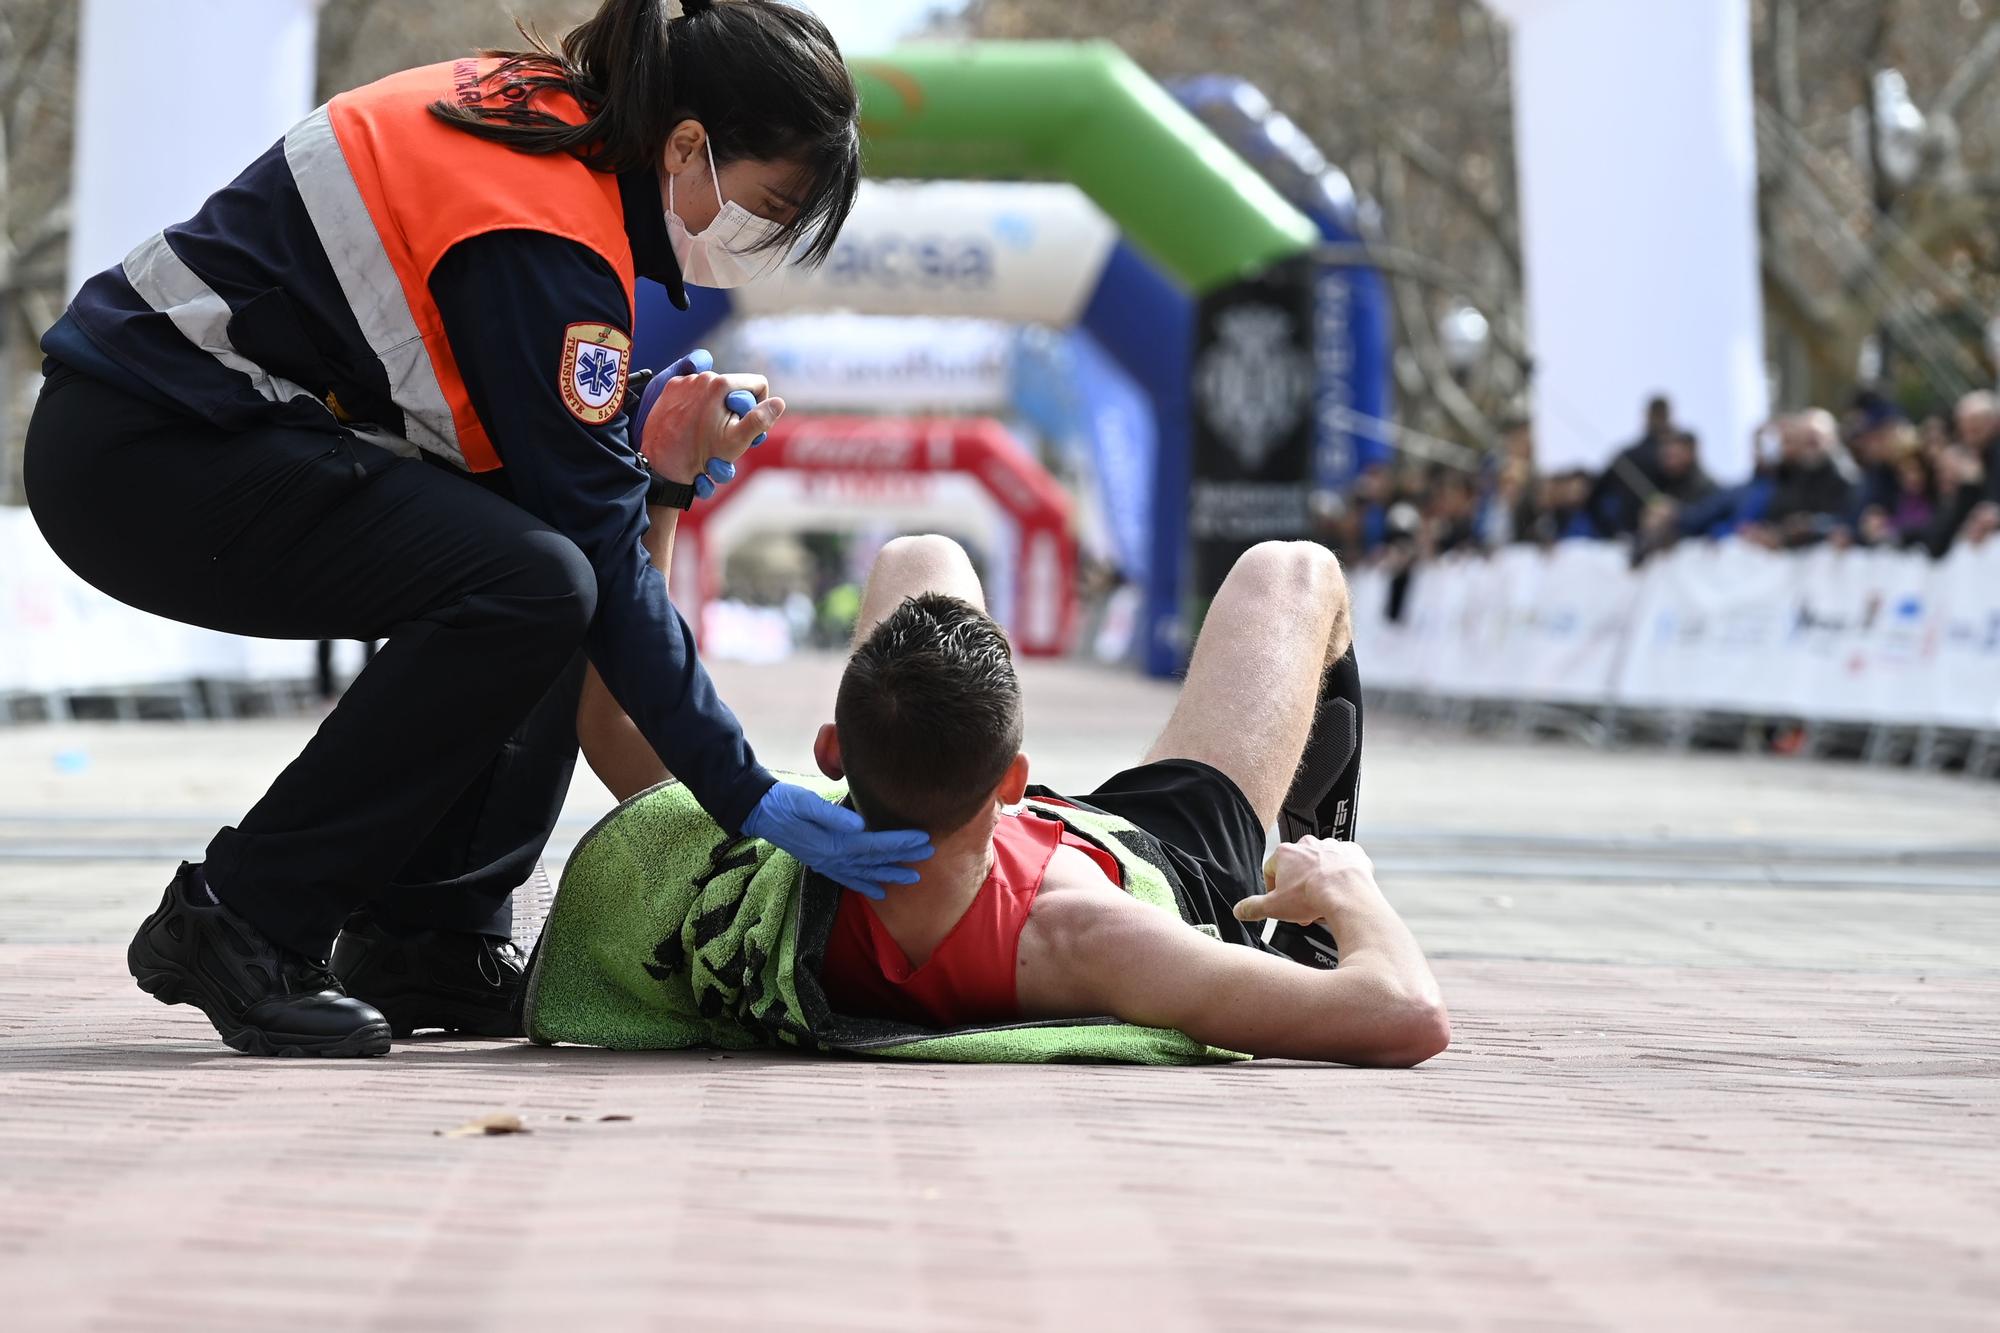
[{"x": 1725, "y": 1057}]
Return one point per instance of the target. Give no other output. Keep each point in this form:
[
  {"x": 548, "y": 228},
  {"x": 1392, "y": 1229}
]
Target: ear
[
  {"x": 683, "y": 149},
  {"x": 826, "y": 751},
  {"x": 1014, "y": 782}
]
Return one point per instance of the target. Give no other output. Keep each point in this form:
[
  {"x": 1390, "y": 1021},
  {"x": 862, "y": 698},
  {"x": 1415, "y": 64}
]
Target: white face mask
[{"x": 726, "y": 253}]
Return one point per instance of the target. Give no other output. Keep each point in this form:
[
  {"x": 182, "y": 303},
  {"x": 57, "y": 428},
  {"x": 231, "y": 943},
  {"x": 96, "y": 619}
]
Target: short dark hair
[
  {"x": 929, "y": 715},
  {"x": 764, "y": 78}
]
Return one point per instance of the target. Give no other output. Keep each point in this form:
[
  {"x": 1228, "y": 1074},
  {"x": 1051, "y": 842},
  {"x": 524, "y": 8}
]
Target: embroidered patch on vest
[{"x": 595, "y": 358}]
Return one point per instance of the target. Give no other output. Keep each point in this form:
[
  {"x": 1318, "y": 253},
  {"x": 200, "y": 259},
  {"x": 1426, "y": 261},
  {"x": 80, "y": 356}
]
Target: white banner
[
  {"x": 1885, "y": 637},
  {"x": 1571, "y": 607},
  {"x": 60, "y": 635},
  {"x": 241, "y": 73},
  {"x": 875, "y": 363},
  {"x": 1709, "y": 624},
  {"x": 1639, "y": 281},
  {"x": 1525, "y": 624},
  {"x": 1965, "y": 674},
  {"x": 1024, "y": 253},
  {"x": 1841, "y": 636}
]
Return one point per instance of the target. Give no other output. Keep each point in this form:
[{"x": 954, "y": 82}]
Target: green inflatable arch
[{"x": 1084, "y": 113}]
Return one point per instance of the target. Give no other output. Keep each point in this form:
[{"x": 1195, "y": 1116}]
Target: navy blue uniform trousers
[{"x": 430, "y": 791}]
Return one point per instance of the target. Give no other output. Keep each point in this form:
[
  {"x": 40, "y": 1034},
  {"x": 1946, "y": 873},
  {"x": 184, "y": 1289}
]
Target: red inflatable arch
[{"x": 966, "y": 476}]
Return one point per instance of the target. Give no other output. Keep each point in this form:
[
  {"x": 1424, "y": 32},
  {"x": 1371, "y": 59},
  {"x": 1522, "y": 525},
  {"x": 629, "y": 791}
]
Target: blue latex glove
[
  {"x": 740, "y": 401},
  {"x": 696, "y": 362},
  {"x": 720, "y": 471},
  {"x": 832, "y": 840}
]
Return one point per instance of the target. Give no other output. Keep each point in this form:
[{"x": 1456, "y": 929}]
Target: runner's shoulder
[
  {"x": 1082, "y": 933},
  {"x": 1071, "y": 926},
  {"x": 1076, "y": 898}
]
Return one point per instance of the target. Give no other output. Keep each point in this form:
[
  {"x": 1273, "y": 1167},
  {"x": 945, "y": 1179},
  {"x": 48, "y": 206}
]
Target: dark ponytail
[{"x": 764, "y": 78}]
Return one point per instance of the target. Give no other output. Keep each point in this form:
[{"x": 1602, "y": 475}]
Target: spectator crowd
[{"x": 1870, "y": 478}]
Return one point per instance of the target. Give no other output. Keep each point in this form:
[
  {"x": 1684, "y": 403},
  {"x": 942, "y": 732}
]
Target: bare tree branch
[
  {"x": 30, "y": 48},
  {"x": 1440, "y": 170},
  {"x": 1785, "y": 59},
  {"x": 1972, "y": 72},
  {"x": 1419, "y": 334}
]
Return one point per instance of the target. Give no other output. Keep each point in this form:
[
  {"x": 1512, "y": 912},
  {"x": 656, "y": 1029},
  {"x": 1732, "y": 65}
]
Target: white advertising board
[
  {"x": 1525, "y": 624},
  {"x": 1024, "y": 253},
  {"x": 1965, "y": 673},
  {"x": 877, "y": 363},
  {"x": 1876, "y": 637}
]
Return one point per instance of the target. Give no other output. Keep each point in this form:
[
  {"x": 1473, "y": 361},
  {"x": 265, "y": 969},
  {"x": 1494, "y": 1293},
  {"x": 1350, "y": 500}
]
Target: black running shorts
[{"x": 1213, "y": 839}]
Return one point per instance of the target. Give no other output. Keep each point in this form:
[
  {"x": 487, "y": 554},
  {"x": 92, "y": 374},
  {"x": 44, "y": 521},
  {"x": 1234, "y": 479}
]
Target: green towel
[{"x": 667, "y": 933}]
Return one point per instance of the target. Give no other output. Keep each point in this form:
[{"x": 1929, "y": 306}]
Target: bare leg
[
  {"x": 1280, "y": 620},
  {"x": 908, "y": 566}
]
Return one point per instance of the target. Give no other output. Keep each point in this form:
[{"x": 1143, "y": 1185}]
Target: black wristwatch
[{"x": 670, "y": 494}]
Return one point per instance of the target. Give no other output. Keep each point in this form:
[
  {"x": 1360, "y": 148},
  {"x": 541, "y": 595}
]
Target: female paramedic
[{"x": 375, "y": 388}]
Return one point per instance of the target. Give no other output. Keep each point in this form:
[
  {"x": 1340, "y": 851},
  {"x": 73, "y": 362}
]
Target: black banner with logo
[{"x": 1253, "y": 418}]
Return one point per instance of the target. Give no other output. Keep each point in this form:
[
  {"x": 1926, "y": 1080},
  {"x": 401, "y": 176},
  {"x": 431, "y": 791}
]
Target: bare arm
[{"x": 1102, "y": 951}]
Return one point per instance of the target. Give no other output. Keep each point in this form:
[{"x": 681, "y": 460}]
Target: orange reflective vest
[
  {"x": 384, "y": 188},
  {"x": 391, "y": 188}
]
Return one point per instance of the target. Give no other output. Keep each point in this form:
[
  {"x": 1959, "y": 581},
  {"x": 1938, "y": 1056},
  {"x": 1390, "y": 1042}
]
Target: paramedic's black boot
[
  {"x": 263, "y": 999},
  {"x": 451, "y": 979}
]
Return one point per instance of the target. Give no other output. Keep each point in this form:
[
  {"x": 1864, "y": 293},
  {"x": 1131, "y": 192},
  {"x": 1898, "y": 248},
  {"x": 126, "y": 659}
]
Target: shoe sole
[
  {"x": 471, "y": 1020},
  {"x": 169, "y": 985}
]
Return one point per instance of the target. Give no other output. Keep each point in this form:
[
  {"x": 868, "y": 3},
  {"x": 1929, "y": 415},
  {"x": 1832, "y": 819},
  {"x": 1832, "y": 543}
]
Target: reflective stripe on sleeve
[{"x": 165, "y": 282}]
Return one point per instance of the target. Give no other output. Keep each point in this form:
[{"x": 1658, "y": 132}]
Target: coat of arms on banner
[
  {"x": 595, "y": 358},
  {"x": 1253, "y": 383}
]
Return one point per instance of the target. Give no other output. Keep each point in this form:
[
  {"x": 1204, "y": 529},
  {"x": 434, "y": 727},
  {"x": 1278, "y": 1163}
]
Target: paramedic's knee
[{"x": 551, "y": 591}]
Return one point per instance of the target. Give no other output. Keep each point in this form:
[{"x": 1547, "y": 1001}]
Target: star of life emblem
[{"x": 595, "y": 359}]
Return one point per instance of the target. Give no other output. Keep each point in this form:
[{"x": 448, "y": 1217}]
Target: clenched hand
[
  {"x": 1309, "y": 880},
  {"x": 693, "y": 424}
]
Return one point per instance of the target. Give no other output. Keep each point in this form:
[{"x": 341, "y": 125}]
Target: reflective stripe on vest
[
  {"x": 369, "y": 282},
  {"x": 389, "y": 189}
]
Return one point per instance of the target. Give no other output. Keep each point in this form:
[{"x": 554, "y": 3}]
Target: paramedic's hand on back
[{"x": 833, "y": 840}]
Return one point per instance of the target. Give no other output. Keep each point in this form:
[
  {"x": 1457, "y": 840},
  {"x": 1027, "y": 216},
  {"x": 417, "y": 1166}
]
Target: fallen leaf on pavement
[{"x": 499, "y": 1122}]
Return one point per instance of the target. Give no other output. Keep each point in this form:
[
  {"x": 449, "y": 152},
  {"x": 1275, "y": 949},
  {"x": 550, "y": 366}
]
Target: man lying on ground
[
  {"x": 1020, "y": 916},
  {"x": 1023, "y": 917}
]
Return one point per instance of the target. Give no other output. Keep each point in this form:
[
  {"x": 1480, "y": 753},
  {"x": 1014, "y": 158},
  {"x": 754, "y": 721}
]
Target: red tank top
[{"x": 969, "y": 977}]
